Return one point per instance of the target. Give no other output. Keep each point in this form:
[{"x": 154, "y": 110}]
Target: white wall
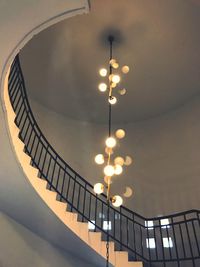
[
  {"x": 21, "y": 247},
  {"x": 166, "y": 150}
]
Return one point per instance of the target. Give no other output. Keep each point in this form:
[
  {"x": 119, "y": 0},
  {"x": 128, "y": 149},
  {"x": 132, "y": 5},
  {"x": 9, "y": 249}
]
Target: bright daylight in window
[
  {"x": 150, "y": 242},
  {"x": 167, "y": 242},
  {"x": 91, "y": 225},
  {"x": 149, "y": 225}
]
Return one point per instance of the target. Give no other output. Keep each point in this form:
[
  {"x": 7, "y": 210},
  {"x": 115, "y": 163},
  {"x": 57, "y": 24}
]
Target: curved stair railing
[{"x": 161, "y": 241}]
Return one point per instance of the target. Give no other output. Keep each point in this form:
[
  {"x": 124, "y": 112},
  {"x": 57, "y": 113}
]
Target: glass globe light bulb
[
  {"x": 111, "y": 142},
  {"x": 98, "y": 188},
  {"x": 116, "y": 78},
  {"x": 117, "y": 201},
  {"x": 113, "y": 85},
  {"x": 99, "y": 159},
  {"x": 119, "y": 161},
  {"x": 115, "y": 65},
  {"x": 120, "y": 133},
  {"x": 110, "y": 77},
  {"x": 125, "y": 69},
  {"x": 112, "y": 100},
  {"x": 109, "y": 170},
  {"x": 112, "y": 61},
  {"x": 103, "y": 72},
  {"x": 102, "y": 87},
  {"x": 122, "y": 91},
  {"x": 118, "y": 169},
  {"x": 128, "y": 161}
]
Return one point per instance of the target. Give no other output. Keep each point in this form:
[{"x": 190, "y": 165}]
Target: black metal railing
[{"x": 172, "y": 240}]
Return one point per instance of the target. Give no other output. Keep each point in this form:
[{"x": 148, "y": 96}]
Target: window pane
[{"x": 150, "y": 242}]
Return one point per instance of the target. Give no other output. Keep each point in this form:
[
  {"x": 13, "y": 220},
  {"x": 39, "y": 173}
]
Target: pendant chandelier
[{"x": 112, "y": 165}]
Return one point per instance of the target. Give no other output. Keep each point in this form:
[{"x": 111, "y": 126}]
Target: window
[
  {"x": 101, "y": 215},
  {"x": 117, "y": 216},
  {"x": 91, "y": 225},
  {"x": 107, "y": 225},
  {"x": 167, "y": 242},
  {"x": 150, "y": 242},
  {"x": 165, "y": 223},
  {"x": 149, "y": 225}
]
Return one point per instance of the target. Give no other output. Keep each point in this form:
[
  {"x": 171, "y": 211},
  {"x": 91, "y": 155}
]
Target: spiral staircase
[{"x": 71, "y": 198}]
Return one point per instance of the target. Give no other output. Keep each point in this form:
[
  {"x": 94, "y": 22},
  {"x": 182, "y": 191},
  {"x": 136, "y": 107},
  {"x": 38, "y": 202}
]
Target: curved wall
[
  {"x": 166, "y": 151},
  {"x": 19, "y": 21},
  {"x": 21, "y": 247}
]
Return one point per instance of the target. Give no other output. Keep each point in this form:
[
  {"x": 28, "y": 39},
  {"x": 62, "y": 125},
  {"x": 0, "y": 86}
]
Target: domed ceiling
[{"x": 159, "y": 40}]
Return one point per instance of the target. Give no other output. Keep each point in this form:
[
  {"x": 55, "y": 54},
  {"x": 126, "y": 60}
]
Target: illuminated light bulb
[
  {"x": 109, "y": 170},
  {"x": 99, "y": 159},
  {"x": 111, "y": 77},
  {"x": 122, "y": 91},
  {"x": 103, "y": 72},
  {"x": 125, "y": 69},
  {"x": 128, "y": 161},
  {"x": 115, "y": 65},
  {"x": 113, "y": 85},
  {"x": 128, "y": 192},
  {"x": 112, "y": 61},
  {"x": 98, "y": 188},
  {"x": 107, "y": 180},
  {"x": 116, "y": 78},
  {"x": 120, "y": 133},
  {"x": 109, "y": 150},
  {"x": 118, "y": 169},
  {"x": 111, "y": 142},
  {"x": 112, "y": 100},
  {"x": 117, "y": 201},
  {"x": 119, "y": 161},
  {"x": 102, "y": 87}
]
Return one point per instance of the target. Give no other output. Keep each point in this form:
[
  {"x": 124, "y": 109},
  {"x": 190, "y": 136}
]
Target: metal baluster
[
  {"x": 127, "y": 232},
  {"x": 149, "y": 252},
  {"x": 170, "y": 252},
  {"x": 58, "y": 178},
  {"x": 34, "y": 156},
  {"x": 74, "y": 185},
  {"x": 195, "y": 236},
  {"x": 44, "y": 160},
  {"x": 52, "y": 176},
  {"x": 184, "y": 252},
  {"x": 78, "y": 197},
  {"x": 188, "y": 235},
  {"x": 84, "y": 198},
  {"x": 175, "y": 242},
  {"x": 161, "y": 236},
  {"x": 134, "y": 239},
  {"x": 96, "y": 212},
  {"x": 63, "y": 183},
  {"x": 141, "y": 239},
  {"x": 120, "y": 228},
  {"x": 154, "y": 234},
  {"x": 90, "y": 206}
]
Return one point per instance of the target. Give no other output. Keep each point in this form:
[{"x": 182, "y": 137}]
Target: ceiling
[{"x": 159, "y": 40}]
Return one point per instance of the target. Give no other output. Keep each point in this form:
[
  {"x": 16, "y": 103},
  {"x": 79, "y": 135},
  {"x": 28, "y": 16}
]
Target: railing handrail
[{"x": 125, "y": 213}]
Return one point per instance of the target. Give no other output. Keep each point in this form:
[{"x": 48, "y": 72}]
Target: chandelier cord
[
  {"x": 107, "y": 241},
  {"x": 110, "y": 39}
]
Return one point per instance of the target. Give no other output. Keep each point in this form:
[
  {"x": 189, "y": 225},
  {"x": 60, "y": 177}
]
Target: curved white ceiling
[{"x": 160, "y": 41}]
